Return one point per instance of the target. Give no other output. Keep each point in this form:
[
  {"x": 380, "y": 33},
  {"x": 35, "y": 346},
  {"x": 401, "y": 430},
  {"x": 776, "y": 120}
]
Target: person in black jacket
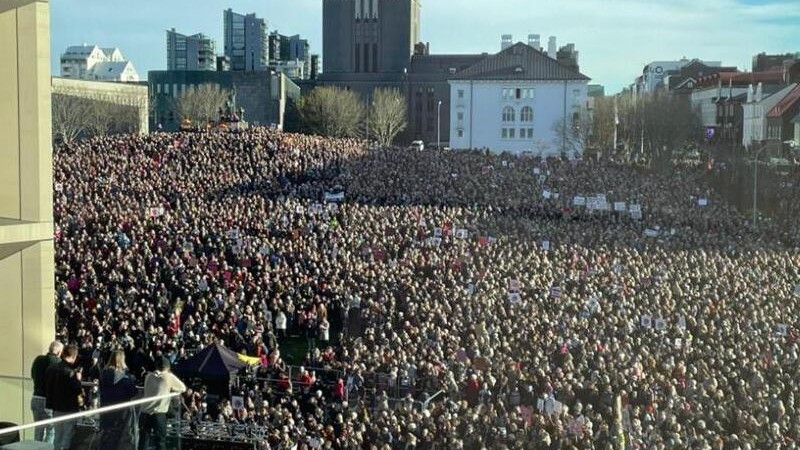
[
  {"x": 118, "y": 428},
  {"x": 39, "y": 400},
  {"x": 63, "y": 389}
]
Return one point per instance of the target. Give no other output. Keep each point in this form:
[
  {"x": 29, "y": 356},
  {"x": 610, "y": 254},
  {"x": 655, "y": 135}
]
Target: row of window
[
  {"x": 525, "y": 114},
  {"x": 517, "y": 93},
  {"x": 511, "y": 133}
]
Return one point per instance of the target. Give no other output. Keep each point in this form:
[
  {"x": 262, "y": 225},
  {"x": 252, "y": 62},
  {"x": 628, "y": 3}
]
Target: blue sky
[{"x": 615, "y": 38}]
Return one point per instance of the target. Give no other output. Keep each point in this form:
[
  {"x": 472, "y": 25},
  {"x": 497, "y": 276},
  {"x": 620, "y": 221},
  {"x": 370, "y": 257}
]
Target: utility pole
[
  {"x": 439, "y": 125},
  {"x": 755, "y": 186}
]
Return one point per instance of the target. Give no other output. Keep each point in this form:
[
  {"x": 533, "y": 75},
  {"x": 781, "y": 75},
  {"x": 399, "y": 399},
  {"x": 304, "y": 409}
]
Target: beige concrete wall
[
  {"x": 27, "y": 309},
  {"x": 127, "y": 94}
]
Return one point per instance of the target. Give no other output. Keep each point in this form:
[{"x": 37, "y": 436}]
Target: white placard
[
  {"x": 546, "y": 245},
  {"x": 514, "y": 298},
  {"x": 579, "y": 201},
  {"x": 462, "y": 233},
  {"x": 682, "y": 322},
  {"x": 619, "y": 206},
  {"x": 233, "y": 234},
  {"x": 661, "y": 324},
  {"x": 781, "y": 329},
  {"x": 334, "y": 197},
  {"x": 537, "y": 171},
  {"x": 651, "y": 233},
  {"x": 636, "y": 215},
  {"x": 797, "y": 289},
  {"x": 237, "y": 402},
  {"x": 546, "y": 194},
  {"x": 646, "y": 321},
  {"x": 703, "y": 202},
  {"x": 437, "y": 232}
]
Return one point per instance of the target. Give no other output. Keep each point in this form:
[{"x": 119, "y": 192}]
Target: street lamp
[
  {"x": 439, "y": 125},
  {"x": 755, "y": 185}
]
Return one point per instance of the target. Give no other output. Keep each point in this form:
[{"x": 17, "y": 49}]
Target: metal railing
[{"x": 87, "y": 413}]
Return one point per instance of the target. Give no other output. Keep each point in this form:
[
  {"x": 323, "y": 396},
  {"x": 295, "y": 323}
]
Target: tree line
[{"x": 336, "y": 112}]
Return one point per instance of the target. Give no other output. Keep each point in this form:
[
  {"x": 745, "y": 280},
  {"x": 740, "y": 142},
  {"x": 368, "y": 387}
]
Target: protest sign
[
  {"x": 619, "y": 206},
  {"x": 334, "y": 197},
  {"x": 579, "y": 201},
  {"x": 514, "y": 298},
  {"x": 703, "y": 202},
  {"x": 646, "y": 321},
  {"x": 546, "y": 245}
]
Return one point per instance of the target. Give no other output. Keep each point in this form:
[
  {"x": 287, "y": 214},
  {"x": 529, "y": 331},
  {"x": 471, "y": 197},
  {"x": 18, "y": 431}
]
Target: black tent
[{"x": 213, "y": 366}]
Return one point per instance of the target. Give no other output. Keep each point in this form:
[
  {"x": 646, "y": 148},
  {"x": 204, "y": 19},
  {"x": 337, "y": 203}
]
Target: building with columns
[{"x": 27, "y": 307}]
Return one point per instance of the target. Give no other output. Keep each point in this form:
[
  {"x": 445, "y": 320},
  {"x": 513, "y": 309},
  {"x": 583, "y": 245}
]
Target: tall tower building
[
  {"x": 246, "y": 41},
  {"x": 196, "y": 52},
  {"x": 369, "y": 36}
]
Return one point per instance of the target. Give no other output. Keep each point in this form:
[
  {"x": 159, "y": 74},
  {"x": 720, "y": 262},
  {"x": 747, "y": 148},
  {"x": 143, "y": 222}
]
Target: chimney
[
  {"x": 552, "y": 47},
  {"x": 506, "y": 41},
  {"x": 759, "y": 92},
  {"x": 534, "y": 41}
]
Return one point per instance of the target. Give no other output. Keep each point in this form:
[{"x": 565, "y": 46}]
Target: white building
[
  {"x": 514, "y": 101},
  {"x": 754, "y": 127},
  {"x": 654, "y": 73},
  {"x": 704, "y": 101},
  {"x": 90, "y": 62}
]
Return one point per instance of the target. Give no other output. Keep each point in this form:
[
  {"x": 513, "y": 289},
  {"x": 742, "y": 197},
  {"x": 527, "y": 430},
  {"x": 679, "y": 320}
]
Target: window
[
  {"x": 530, "y": 133},
  {"x": 506, "y": 94},
  {"x": 522, "y": 133},
  {"x": 529, "y": 93},
  {"x": 518, "y": 93},
  {"x": 508, "y": 114},
  {"x": 511, "y": 132},
  {"x": 504, "y": 133},
  {"x": 526, "y": 115},
  {"x": 460, "y": 116},
  {"x": 576, "y": 93},
  {"x": 460, "y": 93},
  {"x": 358, "y": 57},
  {"x": 460, "y": 133}
]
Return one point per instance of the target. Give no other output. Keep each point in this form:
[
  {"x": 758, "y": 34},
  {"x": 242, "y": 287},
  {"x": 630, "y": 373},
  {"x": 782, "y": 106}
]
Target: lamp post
[
  {"x": 439, "y": 125},
  {"x": 755, "y": 186}
]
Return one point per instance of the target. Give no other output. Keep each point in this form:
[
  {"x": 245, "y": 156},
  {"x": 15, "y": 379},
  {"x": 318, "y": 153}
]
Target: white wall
[
  {"x": 754, "y": 127},
  {"x": 703, "y": 101},
  {"x": 482, "y": 107}
]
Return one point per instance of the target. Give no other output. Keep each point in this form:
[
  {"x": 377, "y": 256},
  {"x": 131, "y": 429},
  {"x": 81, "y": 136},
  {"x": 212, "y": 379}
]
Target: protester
[
  {"x": 119, "y": 428},
  {"x": 39, "y": 407},
  {"x": 153, "y": 418},
  {"x": 474, "y": 300},
  {"x": 63, "y": 391}
]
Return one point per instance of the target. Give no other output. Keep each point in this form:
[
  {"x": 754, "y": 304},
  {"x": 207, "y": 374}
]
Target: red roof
[
  {"x": 786, "y": 102},
  {"x": 742, "y": 78}
]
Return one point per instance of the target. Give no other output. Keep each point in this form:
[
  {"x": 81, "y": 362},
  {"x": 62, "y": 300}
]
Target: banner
[{"x": 332, "y": 197}]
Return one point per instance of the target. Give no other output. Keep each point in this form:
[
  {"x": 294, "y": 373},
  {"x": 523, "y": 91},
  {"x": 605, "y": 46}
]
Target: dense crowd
[{"x": 547, "y": 321}]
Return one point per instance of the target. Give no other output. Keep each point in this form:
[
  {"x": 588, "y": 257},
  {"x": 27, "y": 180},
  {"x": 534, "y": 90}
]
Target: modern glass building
[{"x": 246, "y": 41}]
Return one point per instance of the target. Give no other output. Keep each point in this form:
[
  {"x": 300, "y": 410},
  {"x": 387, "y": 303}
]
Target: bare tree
[
  {"x": 573, "y": 135},
  {"x": 331, "y": 111},
  {"x": 388, "y": 115},
  {"x": 98, "y": 120},
  {"x": 201, "y": 103},
  {"x": 69, "y": 116}
]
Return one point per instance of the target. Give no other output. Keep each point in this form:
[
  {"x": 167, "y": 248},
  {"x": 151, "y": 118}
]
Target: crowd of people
[{"x": 510, "y": 301}]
